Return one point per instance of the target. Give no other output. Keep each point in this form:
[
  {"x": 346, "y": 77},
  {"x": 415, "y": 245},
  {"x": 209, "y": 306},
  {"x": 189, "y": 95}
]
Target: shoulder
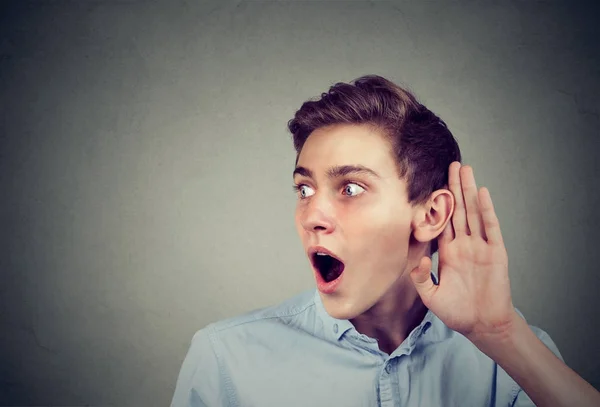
[
  {"x": 285, "y": 311},
  {"x": 258, "y": 326},
  {"x": 457, "y": 341},
  {"x": 449, "y": 336},
  {"x": 456, "y": 352},
  {"x": 204, "y": 378}
]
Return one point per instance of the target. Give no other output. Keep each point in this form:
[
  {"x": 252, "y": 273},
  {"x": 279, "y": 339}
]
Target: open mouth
[{"x": 328, "y": 266}]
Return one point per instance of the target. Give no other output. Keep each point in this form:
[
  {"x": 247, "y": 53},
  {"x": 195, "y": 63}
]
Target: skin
[
  {"x": 474, "y": 299},
  {"x": 384, "y": 242},
  {"x": 375, "y": 231}
]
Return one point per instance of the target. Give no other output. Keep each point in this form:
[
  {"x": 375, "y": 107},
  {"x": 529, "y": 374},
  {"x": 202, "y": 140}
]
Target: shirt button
[
  {"x": 335, "y": 328},
  {"x": 388, "y": 369}
]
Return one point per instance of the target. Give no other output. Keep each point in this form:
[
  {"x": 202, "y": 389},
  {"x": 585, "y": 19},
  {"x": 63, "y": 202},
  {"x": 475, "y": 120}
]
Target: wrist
[{"x": 500, "y": 339}]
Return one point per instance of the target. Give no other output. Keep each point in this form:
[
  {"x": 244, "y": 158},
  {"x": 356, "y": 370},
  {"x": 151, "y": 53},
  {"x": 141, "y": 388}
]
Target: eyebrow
[{"x": 338, "y": 171}]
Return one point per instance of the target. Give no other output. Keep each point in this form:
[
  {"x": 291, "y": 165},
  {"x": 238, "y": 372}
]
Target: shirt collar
[{"x": 335, "y": 328}]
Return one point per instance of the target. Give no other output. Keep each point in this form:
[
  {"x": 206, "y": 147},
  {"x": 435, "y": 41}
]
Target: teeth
[{"x": 321, "y": 254}]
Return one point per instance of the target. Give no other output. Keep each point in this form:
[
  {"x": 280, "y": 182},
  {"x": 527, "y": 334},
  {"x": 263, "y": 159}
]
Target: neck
[{"x": 394, "y": 316}]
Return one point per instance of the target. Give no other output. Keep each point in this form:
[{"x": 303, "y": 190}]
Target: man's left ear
[{"x": 431, "y": 218}]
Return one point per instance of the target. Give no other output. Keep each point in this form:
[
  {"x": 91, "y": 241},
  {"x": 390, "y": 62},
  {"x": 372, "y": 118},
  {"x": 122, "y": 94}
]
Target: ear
[{"x": 431, "y": 218}]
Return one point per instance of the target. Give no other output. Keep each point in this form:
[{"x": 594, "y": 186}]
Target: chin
[{"x": 342, "y": 311}]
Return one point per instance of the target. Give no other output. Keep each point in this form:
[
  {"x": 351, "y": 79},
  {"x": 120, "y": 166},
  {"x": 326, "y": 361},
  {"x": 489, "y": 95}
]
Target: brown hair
[{"x": 422, "y": 144}]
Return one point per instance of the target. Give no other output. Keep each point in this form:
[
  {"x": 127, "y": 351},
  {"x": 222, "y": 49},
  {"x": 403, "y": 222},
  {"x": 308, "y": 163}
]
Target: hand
[{"x": 473, "y": 296}]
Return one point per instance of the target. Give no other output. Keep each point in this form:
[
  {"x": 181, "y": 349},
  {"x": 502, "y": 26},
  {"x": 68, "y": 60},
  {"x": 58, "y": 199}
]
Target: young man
[{"x": 380, "y": 188}]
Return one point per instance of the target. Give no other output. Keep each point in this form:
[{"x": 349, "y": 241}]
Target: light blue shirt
[{"x": 296, "y": 355}]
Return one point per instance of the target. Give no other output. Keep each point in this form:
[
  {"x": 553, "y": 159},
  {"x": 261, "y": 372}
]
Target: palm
[{"x": 473, "y": 295}]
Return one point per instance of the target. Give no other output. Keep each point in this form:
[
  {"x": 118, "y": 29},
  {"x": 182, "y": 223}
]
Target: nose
[{"x": 316, "y": 216}]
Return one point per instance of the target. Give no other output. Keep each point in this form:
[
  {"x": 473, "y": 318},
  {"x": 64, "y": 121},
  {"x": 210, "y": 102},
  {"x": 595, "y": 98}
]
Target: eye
[
  {"x": 304, "y": 191},
  {"x": 353, "y": 189}
]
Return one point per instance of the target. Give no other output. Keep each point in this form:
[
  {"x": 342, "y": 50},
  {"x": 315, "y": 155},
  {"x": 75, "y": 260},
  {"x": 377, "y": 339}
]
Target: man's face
[{"x": 363, "y": 219}]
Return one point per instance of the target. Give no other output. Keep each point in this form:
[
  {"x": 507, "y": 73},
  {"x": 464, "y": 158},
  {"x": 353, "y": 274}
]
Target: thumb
[{"x": 421, "y": 278}]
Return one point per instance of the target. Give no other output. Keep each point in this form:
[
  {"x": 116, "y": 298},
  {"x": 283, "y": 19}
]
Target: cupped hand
[{"x": 473, "y": 296}]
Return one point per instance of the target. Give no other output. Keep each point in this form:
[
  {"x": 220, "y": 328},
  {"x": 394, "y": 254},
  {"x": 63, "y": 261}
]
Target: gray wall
[{"x": 145, "y": 168}]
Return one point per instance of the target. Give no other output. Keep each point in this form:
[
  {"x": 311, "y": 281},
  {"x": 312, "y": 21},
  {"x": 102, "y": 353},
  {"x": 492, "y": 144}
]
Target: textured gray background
[{"x": 145, "y": 168}]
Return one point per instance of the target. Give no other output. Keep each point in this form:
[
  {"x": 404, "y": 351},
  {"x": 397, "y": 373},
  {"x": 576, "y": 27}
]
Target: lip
[
  {"x": 320, "y": 249},
  {"x": 322, "y": 285}
]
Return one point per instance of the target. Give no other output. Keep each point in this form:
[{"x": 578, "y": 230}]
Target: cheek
[
  {"x": 298, "y": 223},
  {"x": 386, "y": 234},
  {"x": 393, "y": 239}
]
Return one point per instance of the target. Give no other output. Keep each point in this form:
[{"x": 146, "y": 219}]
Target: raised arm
[{"x": 473, "y": 298}]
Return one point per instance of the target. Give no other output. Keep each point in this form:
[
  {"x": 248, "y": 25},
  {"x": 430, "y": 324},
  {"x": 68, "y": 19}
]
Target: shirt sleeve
[
  {"x": 200, "y": 383},
  {"x": 522, "y": 399}
]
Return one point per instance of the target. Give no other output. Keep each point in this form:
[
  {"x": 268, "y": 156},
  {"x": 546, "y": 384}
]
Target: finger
[
  {"x": 490, "y": 220},
  {"x": 459, "y": 217},
  {"x": 421, "y": 278},
  {"x": 469, "y": 188}
]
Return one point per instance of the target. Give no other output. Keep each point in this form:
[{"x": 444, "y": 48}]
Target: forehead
[{"x": 347, "y": 144}]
